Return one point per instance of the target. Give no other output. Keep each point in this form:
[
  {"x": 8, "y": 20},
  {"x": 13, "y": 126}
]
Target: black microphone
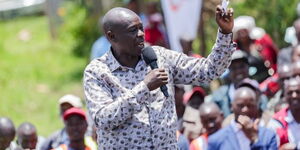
[{"x": 150, "y": 59}]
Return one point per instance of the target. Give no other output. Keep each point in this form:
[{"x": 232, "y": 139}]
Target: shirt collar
[
  {"x": 235, "y": 126},
  {"x": 112, "y": 63},
  {"x": 289, "y": 118}
]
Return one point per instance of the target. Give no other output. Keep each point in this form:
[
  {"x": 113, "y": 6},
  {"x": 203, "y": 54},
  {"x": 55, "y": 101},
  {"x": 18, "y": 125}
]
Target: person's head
[
  {"x": 27, "y": 136},
  {"x": 296, "y": 53},
  {"x": 252, "y": 84},
  {"x": 194, "y": 98},
  {"x": 285, "y": 72},
  {"x": 7, "y": 132},
  {"x": 292, "y": 94},
  {"x": 151, "y": 7},
  {"x": 245, "y": 103},
  {"x": 211, "y": 117},
  {"x": 297, "y": 29},
  {"x": 180, "y": 107},
  {"x": 242, "y": 28},
  {"x": 75, "y": 123},
  {"x": 124, "y": 30},
  {"x": 133, "y": 5},
  {"x": 238, "y": 69},
  {"x": 69, "y": 101}
]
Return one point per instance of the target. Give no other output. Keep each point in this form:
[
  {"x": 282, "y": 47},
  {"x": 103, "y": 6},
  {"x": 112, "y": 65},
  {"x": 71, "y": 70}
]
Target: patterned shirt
[{"x": 129, "y": 116}]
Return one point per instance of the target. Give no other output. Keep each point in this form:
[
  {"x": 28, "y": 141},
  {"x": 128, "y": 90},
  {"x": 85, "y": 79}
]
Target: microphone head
[{"x": 149, "y": 55}]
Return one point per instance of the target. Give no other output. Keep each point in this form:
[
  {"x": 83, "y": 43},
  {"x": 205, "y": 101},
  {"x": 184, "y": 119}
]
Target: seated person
[
  {"x": 7, "y": 133},
  {"x": 244, "y": 131},
  {"x": 76, "y": 125},
  {"x": 211, "y": 118},
  {"x": 286, "y": 122}
]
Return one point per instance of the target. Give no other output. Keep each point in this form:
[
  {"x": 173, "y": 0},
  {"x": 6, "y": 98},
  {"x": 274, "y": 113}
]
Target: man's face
[
  {"x": 5, "y": 141},
  {"x": 28, "y": 141},
  {"x": 196, "y": 100},
  {"x": 242, "y": 35},
  {"x": 292, "y": 95},
  {"x": 245, "y": 105},
  {"x": 130, "y": 37},
  {"x": 76, "y": 126},
  {"x": 238, "y": 71},
  {"x": 211, "y": 121}
]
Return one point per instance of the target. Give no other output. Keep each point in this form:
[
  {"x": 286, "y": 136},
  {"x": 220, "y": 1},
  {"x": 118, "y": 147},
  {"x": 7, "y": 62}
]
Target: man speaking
[{"x": 123, "y": 93}]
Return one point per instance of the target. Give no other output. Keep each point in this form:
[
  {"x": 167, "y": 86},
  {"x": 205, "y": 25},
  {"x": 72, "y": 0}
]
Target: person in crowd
[
  {"x": 244, "y": 131},
  {"x": 7, "y": 134},
  {"x": 296, "y": 69},
  {"x": 155, "y": 30},
  {"x": 285, "y": 54},
  {"x": 211, "y": 118},
  {"x": 238, "y": 70},
  {"x": 27, "y": 137},
  {"x": 285, "y": 72},
  {"x": 191, "y": 122},
  {"x": 60, "y": 137},
  {"x": 76, "y": 125},
  {"x": 296, "y": 53},
  {"x": 257, "y": 43},
  {"x": 263, "y": 114},
  {"x": 286, "y": 122},
  {"x": 122, "y": 93}
]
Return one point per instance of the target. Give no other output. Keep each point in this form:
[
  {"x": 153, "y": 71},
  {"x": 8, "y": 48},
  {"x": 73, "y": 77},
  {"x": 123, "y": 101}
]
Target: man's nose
[
  {"x": 245, "y": 109},
  {"x": 141, "y": 32}
]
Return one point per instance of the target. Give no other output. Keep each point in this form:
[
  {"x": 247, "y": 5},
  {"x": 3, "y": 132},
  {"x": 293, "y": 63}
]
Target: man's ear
[{"x": 111, "y": 36}]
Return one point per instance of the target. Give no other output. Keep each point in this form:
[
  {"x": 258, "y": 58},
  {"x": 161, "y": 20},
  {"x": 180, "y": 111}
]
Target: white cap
[
  {"x": 244, "y": 22},
  {"x": 71, "y": 99}
]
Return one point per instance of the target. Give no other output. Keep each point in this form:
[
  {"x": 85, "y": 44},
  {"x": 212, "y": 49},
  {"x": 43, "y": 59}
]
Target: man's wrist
[{"x": 225, "y": 32}]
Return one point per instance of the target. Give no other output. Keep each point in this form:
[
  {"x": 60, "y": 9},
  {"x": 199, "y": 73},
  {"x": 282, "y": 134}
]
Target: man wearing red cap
[{"x": 76, "y": 125}]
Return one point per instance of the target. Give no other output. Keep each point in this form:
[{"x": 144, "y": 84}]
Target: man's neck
[
  {"x": 125, "y": 59},
  {"x": 77, "y": 145}
]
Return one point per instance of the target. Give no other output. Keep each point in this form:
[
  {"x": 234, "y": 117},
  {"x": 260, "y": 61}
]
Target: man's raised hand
[{"x": 224, "y": 20}]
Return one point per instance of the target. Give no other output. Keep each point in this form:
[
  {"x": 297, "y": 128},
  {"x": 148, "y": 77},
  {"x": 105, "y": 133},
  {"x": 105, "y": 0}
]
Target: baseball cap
[
  {"x": 74, "y": 111},
  {"x": 239, "y": 55},
  {"x": 71, "y": 99}
]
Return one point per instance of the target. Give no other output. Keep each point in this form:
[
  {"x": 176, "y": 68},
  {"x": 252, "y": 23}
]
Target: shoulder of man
[{"x": 218, "y": 137}]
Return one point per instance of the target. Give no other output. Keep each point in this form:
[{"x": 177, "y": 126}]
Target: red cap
[
  {"x": 188, "y": 95},
  {"x": 74, "y": 111}
]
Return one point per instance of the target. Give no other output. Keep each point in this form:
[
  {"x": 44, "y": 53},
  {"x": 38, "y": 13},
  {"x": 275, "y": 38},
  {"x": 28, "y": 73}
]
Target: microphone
[{"x": 150, "y": 59}]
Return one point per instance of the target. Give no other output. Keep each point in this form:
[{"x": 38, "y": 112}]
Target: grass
[{"x": 36, "y": 72}]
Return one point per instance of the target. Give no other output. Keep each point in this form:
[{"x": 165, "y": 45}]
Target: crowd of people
[{"x": 254, "y": 105}]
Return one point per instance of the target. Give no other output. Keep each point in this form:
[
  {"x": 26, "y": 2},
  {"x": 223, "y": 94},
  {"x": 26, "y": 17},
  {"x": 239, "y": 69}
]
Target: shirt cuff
[
  {"x": 224, "y": 39},
  {"x": 141, "y": 93}
]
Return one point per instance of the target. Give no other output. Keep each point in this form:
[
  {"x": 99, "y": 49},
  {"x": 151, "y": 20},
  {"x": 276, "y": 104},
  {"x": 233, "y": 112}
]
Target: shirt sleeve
[
  {"x": 107, "y": 111},
  {"x": 190, "y": 70}
]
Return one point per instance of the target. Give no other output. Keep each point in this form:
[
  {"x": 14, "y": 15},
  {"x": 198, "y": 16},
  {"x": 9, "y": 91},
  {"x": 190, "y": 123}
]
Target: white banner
[{"x": 182, "y": 19}]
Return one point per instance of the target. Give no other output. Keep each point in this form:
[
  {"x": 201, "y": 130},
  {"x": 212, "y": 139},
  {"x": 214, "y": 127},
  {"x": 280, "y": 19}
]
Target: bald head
[
  {"x": 7, "y": 132},
  {"x": 7, "y": 127},
  {"x": 27, "y": 136},
  {"x": 243, "y": 92},
  {"x": 26, "y": 129},
  {"x": 209, "y": 107},
  {"x": 116, "y": 18}
]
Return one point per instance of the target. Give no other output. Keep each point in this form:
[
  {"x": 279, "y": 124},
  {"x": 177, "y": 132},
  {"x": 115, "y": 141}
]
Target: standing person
[
  {"x": 123, "y": 95},
  {"x": 244, "y": 131},
  {"x": 7, "y": 133},
  {"x": 60, "y": 137},
  {"x": 211, "y": 118},
  {"x": 76, "y": 126},
  {"x": 286, "y": 122}
]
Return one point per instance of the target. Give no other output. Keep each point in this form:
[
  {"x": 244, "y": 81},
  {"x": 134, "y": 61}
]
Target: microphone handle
[{"x": 163, "y": 88}]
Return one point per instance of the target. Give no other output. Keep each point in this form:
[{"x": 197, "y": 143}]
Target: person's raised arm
[{"x": 188, "y": 70}]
